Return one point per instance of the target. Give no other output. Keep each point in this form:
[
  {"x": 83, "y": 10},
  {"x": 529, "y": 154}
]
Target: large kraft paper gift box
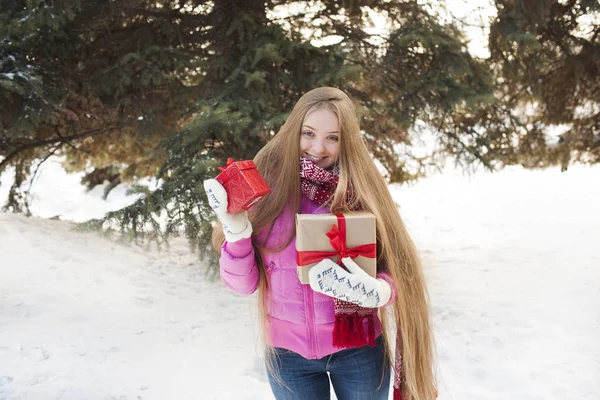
[{"x": 320, "y": 236}]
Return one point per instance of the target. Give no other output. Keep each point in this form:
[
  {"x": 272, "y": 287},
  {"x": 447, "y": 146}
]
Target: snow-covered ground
[{"x": 511, "y": 261}]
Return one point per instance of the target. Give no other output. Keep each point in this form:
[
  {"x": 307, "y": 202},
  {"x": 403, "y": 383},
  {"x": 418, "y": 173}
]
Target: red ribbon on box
[
  {"x": 337, "y": 239},
  {"x": 242, "y": 165},
  {"x": 229, "y": 162}
]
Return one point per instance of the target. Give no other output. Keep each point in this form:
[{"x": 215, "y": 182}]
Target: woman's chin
[{"x": 324, "y": 164}]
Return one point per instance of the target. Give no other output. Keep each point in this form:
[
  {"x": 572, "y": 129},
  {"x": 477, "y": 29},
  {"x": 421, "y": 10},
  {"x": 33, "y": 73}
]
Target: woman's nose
[{"x": 318, "y": 147}]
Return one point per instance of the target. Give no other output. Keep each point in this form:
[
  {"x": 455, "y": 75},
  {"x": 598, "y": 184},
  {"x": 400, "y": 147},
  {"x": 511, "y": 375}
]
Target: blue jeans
[{"x": 356, "y": 373}]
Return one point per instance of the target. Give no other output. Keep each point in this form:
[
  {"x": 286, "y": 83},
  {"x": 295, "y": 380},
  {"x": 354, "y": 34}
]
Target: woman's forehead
[{"x": 322, "y": 120}]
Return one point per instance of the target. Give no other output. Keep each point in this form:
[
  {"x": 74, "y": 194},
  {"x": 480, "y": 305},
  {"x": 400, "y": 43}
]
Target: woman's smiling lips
[{"x": 313, "y": 158}]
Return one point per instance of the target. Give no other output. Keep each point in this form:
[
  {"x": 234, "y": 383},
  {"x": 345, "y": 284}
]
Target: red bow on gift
[
  {"x": 337, "y": 239},
  {"x": 229, "y": 162}
]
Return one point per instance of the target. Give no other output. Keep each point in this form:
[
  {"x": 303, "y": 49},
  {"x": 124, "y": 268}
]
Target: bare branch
[
  {"x": 69, "y": 143},
  {"x": 45, "y": 142},
  {"x": 50, "y": 154}
]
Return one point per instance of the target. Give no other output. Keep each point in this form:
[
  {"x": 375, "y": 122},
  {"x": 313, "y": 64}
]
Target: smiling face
[{"x": 320, "y": 137}]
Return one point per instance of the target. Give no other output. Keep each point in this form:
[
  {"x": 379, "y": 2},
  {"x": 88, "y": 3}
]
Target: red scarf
[
  {"x": 318, "y": 184},
  {"x": 349, "y": 329}
]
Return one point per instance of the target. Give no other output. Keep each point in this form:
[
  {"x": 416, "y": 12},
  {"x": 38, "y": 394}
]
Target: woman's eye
[
  {"x": 333, "y": 138},
  {"x": 308, "y": 133}
]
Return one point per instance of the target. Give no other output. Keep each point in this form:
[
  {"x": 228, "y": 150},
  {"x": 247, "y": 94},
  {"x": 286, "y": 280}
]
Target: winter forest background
[{"x": 112, "y": 113}]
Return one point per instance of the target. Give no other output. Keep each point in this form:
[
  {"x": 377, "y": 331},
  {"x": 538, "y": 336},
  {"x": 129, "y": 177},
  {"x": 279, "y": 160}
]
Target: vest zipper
[
  {"x": 310, "y": 316},
  {"x": 310, "y": 310}
]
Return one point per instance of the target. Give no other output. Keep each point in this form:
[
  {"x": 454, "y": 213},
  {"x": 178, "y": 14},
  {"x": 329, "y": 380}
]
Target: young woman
[{"x": 319, "y": 163}]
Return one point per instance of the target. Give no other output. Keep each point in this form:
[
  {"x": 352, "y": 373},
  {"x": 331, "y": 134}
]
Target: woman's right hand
[{"x": 235, "y": 226}]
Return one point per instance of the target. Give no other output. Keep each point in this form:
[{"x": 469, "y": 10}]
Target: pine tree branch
[
  {"x": 464, "y": 146},
  {"x": 69, "y": 143},
  {"x": 172, "y": 14},
  {"x": 470, "y": 150},
  {"x": 45, "y": 142},
  {"x": 50, "y": 154}
]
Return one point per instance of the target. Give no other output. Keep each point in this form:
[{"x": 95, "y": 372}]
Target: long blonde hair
[{"x": 278, "y": 162}]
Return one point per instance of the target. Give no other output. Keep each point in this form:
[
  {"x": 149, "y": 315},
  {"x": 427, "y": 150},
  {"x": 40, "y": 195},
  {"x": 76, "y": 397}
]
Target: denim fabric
[{"x": 355, "y": 374}]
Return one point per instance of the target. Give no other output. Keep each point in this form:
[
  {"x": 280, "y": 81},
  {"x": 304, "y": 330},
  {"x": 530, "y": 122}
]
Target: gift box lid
[
  {"x": 308, "y": 227},
  {"x": 233, "y": 168}
]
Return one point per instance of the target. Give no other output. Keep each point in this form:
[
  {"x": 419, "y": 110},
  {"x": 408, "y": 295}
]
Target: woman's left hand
[{"x": 354, "y": 285}]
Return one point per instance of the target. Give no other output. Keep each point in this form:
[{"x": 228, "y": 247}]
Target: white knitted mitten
[
  {"x": 354, "y": 285},
  {"x": 235, "y": 226}
]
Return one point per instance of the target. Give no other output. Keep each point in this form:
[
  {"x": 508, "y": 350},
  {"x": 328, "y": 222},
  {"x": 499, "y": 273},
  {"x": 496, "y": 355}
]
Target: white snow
[
  {"x": 55, "y": 193},
  {"x": 511, "y": 261}
]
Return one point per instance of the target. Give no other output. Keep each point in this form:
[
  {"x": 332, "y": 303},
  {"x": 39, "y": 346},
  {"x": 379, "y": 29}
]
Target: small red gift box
[{"x": 243, "y": 184}]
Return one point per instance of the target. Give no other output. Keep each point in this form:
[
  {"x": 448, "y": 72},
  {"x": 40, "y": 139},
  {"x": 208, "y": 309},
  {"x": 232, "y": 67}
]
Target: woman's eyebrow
[{"x": 310, "y": 127}]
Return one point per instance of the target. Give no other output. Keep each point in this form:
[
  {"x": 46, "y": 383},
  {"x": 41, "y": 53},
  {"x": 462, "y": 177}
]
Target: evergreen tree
[
  {"x": 546, "y": 55},
  {"x": 101, "y": 82},
  {"x": 260, "y": 66},
  {"x": 173, "y": 88},
  {"x": 254, "y": 73}
]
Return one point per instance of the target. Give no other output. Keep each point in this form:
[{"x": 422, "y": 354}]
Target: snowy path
[
  {"x": 84, "y": 318},
  {"x": 511, "y": 260}
]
